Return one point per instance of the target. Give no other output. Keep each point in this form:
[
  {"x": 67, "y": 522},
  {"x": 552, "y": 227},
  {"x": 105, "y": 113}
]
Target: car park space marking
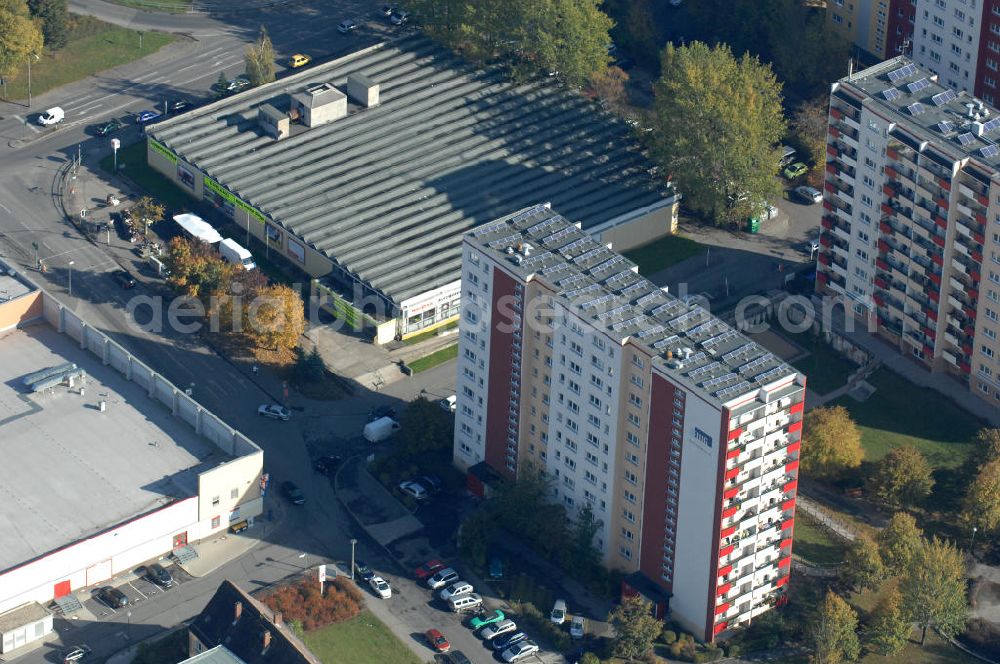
[
  {"x": 28, "y": 124},
  {"x": 137, "y": 590}
]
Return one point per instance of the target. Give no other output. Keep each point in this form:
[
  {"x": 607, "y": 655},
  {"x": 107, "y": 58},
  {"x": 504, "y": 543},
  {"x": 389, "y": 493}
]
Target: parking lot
[{"x": 138, "y": 590}]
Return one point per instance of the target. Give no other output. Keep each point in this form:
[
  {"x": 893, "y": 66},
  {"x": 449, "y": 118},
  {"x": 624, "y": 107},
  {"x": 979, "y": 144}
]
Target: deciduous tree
[
  {"x": 20, "y": 36},
  {"x": 981, "y": 507},
  {"x": 933, "y": 588},
  {"x": 609, "y": 86},
  {"x": 809, "y": 124},
  {"x": 425, "y": 427},
  {"x": 260, "y": 59},
  {"x": 890, "y": 626},
  {"x": 147, "y": 211},
  {"x": 718, "y": 121},
  {"x": 863, "y": 569},
  {"x": 832, "y": 442},
  {"x": 55, "y": 21},
  {"x": 635, "y": 627},
  {"x": 898, "y": 543},
  {"x": 833, "y": 632},
  {"x": 274, "y": 318},
  {"x": 902, "y": 477}
]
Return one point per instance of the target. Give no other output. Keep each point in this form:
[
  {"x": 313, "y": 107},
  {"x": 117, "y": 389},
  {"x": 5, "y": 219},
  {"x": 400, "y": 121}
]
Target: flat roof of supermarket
[{"x": 70, "y": 470}]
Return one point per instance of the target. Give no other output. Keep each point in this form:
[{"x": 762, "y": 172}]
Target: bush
[
  {"x": 589, "y": 658},
  {"x": 675, "y": 649},
  {"x": 300, "y": 602},
  {"x": 733, "y": 650},
  {"x": 535, "y": 621},
  {"x": 668, "y": 636}
]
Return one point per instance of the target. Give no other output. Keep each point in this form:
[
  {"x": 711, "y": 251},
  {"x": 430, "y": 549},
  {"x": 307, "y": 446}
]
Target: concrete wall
[
  {"x": 15, "y": 312},
  {"x": 633, "y": 231},
  {"x": 24, "y": 634}
]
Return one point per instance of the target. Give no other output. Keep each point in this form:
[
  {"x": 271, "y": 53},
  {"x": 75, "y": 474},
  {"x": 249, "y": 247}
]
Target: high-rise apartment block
[
  {"x": 911, "y": 226},
  {"x": 868, "y": 24},
  {"x": 680, "y": 432}
]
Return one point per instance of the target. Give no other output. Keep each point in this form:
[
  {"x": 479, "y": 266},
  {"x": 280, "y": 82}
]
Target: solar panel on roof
[
  {"x": 903, "y": 72},
  {"x": 945, "y": 127},
  {"x": 915, "y": 108},
  {"x": 918, "y": 85},
  {"x": 965, "y": 138},
  {"x": 990, "y": 151},
  {"x": 991, "y": 125},
  {"x": 890, "y": 94},
  {"x": 942, "y": 98}
]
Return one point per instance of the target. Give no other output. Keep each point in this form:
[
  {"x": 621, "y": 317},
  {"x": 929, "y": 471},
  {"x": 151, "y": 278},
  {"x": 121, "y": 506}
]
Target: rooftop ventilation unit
[
  {"x": 320, "y": 105},
  {"x": 363, "y": 90},
  {"x": 274, "y": 123}
]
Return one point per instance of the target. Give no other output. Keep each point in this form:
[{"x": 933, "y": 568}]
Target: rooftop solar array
[
  {"x": 966, "y": 138},
  {"x": 943, "y": 98},
  {"x": 915, "y": 108},
  {"x": 903, "y": 72},
  {"x": 704, "y": 351},
  {"x": 918, "y": 85},
  {"x": 891, "y": 93},
  {"x": 387, "y": 192}
]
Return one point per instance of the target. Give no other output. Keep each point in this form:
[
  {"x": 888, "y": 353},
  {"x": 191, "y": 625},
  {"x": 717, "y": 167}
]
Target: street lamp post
[
  {"x": 972, "y": 544},
  {"x": 29, "y": 77},
  {"x": 71, "y": 264},
  {"x": 353, "y": 543},
  {"x": 128, "y": 629}
]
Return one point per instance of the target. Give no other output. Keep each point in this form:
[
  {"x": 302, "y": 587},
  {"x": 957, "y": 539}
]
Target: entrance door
[
  {"x": 61, "y": 589},
  {"x": 180, "y": 539}
]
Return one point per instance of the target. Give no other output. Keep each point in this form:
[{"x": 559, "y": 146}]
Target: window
[
  {"x": 989, "y": 333},
  {"x": 627, "y": 534},
  {"x": 992, "y": 315},
  {"x": 632, "y": 458},
  {"x": 636, "y": 380},
  {"x": 869, "y": 182},
  {"x": 864, "y": 237},
  {"x": 870, "y": 163},
  {"x": 862, "y": 254},
  {"x": 630, "y": 497},
  {"x": 629, "y": 516},
  {"x": 634, "y": 399},
  {"x": 837, "y": 18},
  {"x": 595, "y": 402},
  {"x": 865, "y": 218},
  {"x": 631, "y": 477},
  {"x": 866, "y": 200},
  {"x": 987, "y": 351},
  {"x": 216, "y": 521},
  {"x": 234, "y": 494},
  {"x": 637, "y": 361},
  {"x": 215, "y": 501},
  {"x": 632, "y": 438},
  {"x": 634, "y": 419},
  {"x": 626, "y": 552}
]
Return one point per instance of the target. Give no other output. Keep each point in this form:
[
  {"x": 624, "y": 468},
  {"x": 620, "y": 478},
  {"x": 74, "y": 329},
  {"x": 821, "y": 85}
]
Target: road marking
[
  {"x": 137, "y": 590},
  {"x": 89, "y": 107},
  {"x": 188, "y": 67},
  {"x": 27, "y": 124},
  {"x": 6, "y": 209}
]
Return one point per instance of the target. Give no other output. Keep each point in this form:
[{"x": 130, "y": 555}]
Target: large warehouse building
[
  {"x": 367, "y": 170},
  {"x": 680, "y": 433},
  {"x": 107, "y": 465}
]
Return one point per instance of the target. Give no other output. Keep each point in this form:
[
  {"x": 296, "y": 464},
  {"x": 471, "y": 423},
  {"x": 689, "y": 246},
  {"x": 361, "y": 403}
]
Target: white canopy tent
[{"x": 198, "y": 228}]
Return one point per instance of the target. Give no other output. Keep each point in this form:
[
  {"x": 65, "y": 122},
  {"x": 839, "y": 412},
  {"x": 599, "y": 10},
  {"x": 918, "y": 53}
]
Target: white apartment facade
[
  {"x": 681, "y": 434},
  {"x": 911, "y": 227},
  {"x": 946, "y": 38}
]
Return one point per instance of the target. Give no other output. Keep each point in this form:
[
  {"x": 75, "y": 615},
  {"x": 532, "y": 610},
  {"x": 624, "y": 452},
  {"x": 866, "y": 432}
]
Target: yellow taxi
[{"x": 299, "y": 60}]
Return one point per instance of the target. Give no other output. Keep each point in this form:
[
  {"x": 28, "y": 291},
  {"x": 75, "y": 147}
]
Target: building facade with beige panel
[{"x": 678, "y": 432}]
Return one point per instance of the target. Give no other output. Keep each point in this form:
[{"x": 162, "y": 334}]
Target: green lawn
[
  {"x": 935, "y": 651},
  {"x": 816, "y": 544},
  {"x": 133, "y": 157},
  {"x": 825, "y": 368},
  {"x": 362, "y": 640},
  {"x": 901, "y": 413},
  {"x": 93, "y": 47},
  {"x": 434, "y": 359},
  {"x": 167, "y": 6},
  {"x": 424, "y": 336},
  {"x": 661, "y": 254}
]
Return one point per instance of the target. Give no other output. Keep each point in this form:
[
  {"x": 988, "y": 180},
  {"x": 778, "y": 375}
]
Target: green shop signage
[
  {"x": 159, "y": 147},
  {"x": 226, "y": 195}
]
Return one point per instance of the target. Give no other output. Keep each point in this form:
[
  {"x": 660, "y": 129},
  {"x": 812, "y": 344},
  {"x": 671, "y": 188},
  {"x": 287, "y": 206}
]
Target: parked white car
[
  {"x": 449, "y": 404},
  {"x": 809, "y": 194},
  {"x": 455, "y": 589},
  {"x": 381, "y": 587},
  {"x": 519, "y": 651},
  {"x": 53, "y": 116},
  {"x": 558, "y": 615},
  {"x": 274, "y": 411},
  {"x": 577, "y": 627},
  {"x": 496, "y": 629},
  {"x": 442, "y": 578},
  {"x": 413, "y": 489}
]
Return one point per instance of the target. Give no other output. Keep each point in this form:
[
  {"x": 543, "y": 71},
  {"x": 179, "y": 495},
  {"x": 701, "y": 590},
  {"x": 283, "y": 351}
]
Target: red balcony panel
[
  {"x": 725, "y": 570},
  {"x": 797, "y": 407},
  {"x": 794, "y": 447},
  {"x": 944, "y": 184},
  {"x": 791, "y": 465},
  {"x": 887, "y": 209},
  {"x": 928, "y": 352},
  {"x": 883, "y": 246},
  {"x": 974, "y": 274},
  {"x": 933, "y": 295},
  {"x": 735, "y": 433},
  {"x": 938, "y": 240},
  {"x": 942, "y": 222},
  {"x": 795, "y": 426},
  {"x": 780, "y": 582},
  {"x": 727, "y": 532},
  {"x": 937, "y": 260},
  {"x": 936, "y": 279},
  {"x": 965, "y": 367},
  {"x": 978, "y": 237},
  {"x": 822, "y": 278},
  {"x": 732, "y": 454},
  {"x": 726, "y": 550},
  {"x": 832, "y": 150},
  {"x": 785, "y": 562},
  {"x": 885, "y": 228},
  {"x": 879, "y": 300},
  {"x": 836, "y": 113},
  {"x": 785, "y": 543},
  {"x": 881, "y": 283},
  {"x": 729, "y": 494},
  {"x": 980, "y": 217},
  {"x": 787, "y": 524},
  {"x": 891, "y": 153},
  {"x": 728, "y": 512},
  {"x": 830, "y": 188},
  {"x": 982, "y": 200},
  {"x": 723, "y": 589},
  {"x": 828, "y": 206},
  {"x": 788, "y": 504},
  {"x": 832, "y": 168},
  {"x": 881, "y": 264},
  {"x": 826, "y": 240},
  {"x": 973, "y": 293},
  {"x": 730, "y": 474},
  {"x": 890, "y": 171},
  {"x": 790, "y": 485},
  {"x": 721, "y": 627},
  {"x": 969, "y": 311},
  {"x": 943, "y": 203},
  {"x": 824, "y": 259},
  {"x": 931, "y": 313},
  {"x": 888, "y": 190},
  {"x": 976, "y": 256}
]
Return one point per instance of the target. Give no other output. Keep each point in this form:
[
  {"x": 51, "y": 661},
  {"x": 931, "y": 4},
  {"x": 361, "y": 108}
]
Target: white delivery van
[
  {"x": 53, "y": 116},
  {"x": 380, "y": 429},
  {"x": 234, "y": 252}
]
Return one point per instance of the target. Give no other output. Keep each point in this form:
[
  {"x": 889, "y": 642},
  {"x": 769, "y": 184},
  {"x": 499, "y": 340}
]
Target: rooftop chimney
[
  {"x": 237, "y": 612},
  {"x": 363, "y": 90},
  {"x": 278, "y": 617}
]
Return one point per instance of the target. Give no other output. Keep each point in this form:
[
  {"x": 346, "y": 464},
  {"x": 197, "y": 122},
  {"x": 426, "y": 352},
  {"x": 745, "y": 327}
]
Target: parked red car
[
  {"x": 437, "y": 640},
  {"x": 428, "y": 568}
]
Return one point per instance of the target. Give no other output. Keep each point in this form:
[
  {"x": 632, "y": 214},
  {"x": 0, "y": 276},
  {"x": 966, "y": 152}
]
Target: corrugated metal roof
[{"x": 387, "y": 192}]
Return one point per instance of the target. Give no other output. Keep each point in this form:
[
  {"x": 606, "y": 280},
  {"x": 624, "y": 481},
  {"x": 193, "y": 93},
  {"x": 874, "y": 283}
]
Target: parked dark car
[
  {"x": 123, "y": 278},
  {"x": 293, "y": 493},
  {"x": 362, "y": 571},
  {"x": 159, "y": 575},
  {"x": 432, "y": 483},
  {"x": 109, "y": 127},
  {"x": 178, "y": 105},
  {"x": 113, "y": 597}
]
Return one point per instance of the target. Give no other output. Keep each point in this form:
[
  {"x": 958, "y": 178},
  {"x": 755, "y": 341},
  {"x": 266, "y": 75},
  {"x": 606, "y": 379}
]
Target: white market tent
[{"x": 198, "y": 228}]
